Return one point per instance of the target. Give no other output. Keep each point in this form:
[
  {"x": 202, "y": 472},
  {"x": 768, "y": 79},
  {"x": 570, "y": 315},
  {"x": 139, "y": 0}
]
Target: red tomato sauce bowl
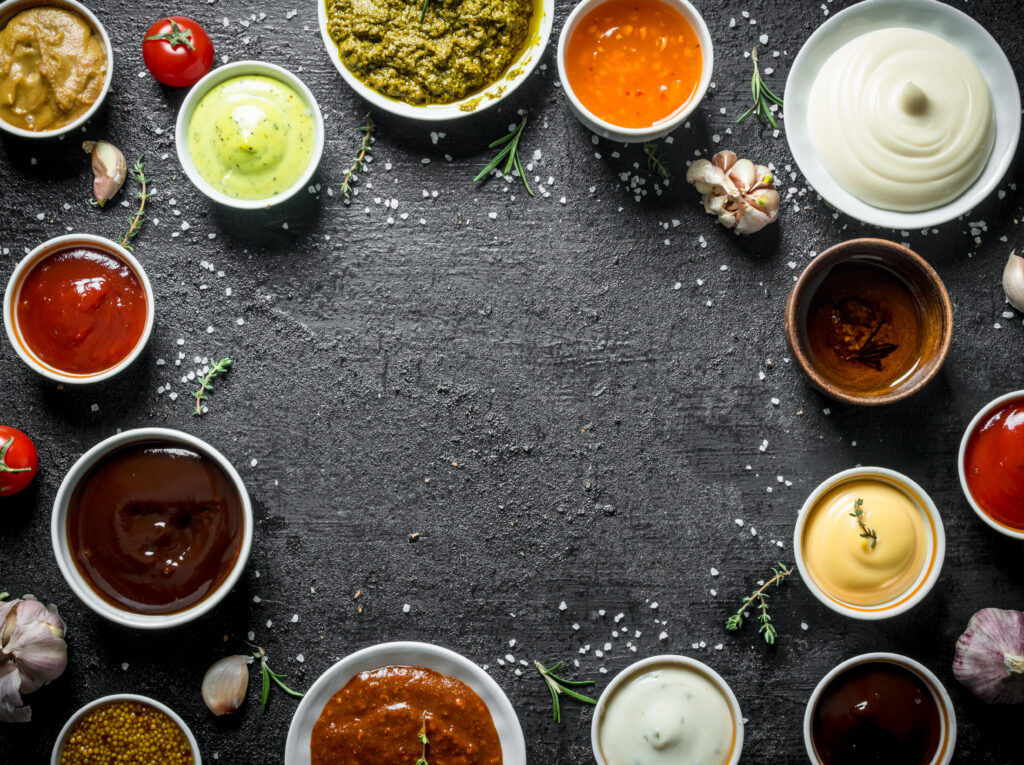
[
  {"x": 991, "y": 464},
  {"x": 78, "y": 309}
]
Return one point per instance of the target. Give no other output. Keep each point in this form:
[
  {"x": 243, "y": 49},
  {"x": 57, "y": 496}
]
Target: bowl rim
[
  {"x": 29, "y": 262},
  {"x": 948, "y": 744},
  {"x": 660, "y": 129},
  {"x": 114, "y": 697},
  {"x": 61, "y": 549},
  {"x": 527, "y": 61},
  {"x": 667, "y": 659},
  {"x": 996, "y": 166},
  {"x": 14, "y": 6},
  {"x": 925, "y": 580},
  {"x": 226, "y": 72},
  {"x": 984, "y": 412},
  {"x": 426, "y": 655},
  {"x": 842, "y": 252}
]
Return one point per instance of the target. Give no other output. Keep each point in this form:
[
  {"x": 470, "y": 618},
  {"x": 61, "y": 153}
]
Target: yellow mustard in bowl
[
  {"x": 251, "y": 137},
  {"x": 865, "y": 542}
]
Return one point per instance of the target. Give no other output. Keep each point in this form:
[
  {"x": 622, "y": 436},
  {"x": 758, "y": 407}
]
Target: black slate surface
[{"x": 566, "y": 402}]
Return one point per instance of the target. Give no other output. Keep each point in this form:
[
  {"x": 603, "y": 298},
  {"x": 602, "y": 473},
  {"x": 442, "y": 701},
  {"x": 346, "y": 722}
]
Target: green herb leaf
[
  {"x": 759, "y": 599},
  {"x": 206, "y": 384},
  {"x": 359, "y": 163},
  {"x": 510, "y": 154},
  {"x": 559, "y": 685},
  {"x": 763, "y": 97}
]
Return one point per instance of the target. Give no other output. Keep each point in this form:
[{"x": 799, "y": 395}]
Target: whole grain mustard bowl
[
  {"x": 869, "y": 543},
  {"x": 123, "y": 699}
]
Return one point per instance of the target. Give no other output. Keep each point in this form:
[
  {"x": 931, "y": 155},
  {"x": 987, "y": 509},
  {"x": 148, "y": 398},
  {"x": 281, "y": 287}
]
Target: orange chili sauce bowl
[
  {"x": 13, "y": 294},
  {"x": 979, "y": 419},
  {"x": 661, "y": 128}
]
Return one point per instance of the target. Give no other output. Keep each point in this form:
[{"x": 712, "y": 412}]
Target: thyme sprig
[
  {"x": 424, "y": 741},
  {"x": 510, "y": 153},
  {"x": 764, "y": 98},
  {"x": 206, "y": 384},
  {"x": 359, "y": 163},
  {"x": 139, "y": 173},
  {"x": 268, "y": 675},
  {"x": 758, "y": 599},
  {"x": 559, "y": 685},
  {"x": 654, "y": 161},
  {"x": 866, "y": 533}
]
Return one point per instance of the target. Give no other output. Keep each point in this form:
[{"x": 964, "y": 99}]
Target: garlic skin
[
  {"x": 225, "y": 684},
  {"x": 740, "y": 193},
  {"x": 1013, "y": 281},
  {"x": 989, "y": 657},
  {"x": 32, "y": 653},
  {"x": 108, "y": 167}
]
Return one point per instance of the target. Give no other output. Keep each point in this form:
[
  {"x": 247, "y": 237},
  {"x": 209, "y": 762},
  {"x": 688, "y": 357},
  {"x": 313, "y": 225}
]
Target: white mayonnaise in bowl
[{"x": 667, "y": 709}]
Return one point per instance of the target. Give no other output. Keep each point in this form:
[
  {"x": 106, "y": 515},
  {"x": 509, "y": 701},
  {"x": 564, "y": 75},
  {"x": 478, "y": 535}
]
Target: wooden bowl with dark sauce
[{"x": 869, "y": 321}]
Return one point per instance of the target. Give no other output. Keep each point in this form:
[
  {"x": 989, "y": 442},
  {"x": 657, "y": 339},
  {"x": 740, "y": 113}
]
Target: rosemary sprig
[
  {"x": 763, "y": 97},
  {"x": 509, "y": 153},
  {"x": 654, "y": 162},
  {"x": 424, "y": 741},
  {"x": 759, "y": 599},
  {"x": 206, "y": 384},
  {"x": 268, "y": 675},
  {"x": 359, "y": 163},
  {"x": 866, "y": 533},
  {"x": 139, "y": 172},
  {"x": 423, "y": 15},
  {"x": 559, "y": 685}
]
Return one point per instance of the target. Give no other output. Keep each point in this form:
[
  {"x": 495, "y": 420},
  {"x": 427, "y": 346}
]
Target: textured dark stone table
[{"x": 565, "y": 400}]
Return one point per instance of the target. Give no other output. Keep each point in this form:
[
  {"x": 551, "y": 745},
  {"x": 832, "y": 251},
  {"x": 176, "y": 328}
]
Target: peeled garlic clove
[
  {"x": 989, "y": 657},
  {"x": 108, "y": 167},
  {"x": 1013, "y": 281},
  {"x": 225, "y": 684}
]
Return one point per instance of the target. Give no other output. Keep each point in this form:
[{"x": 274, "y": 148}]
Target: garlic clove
[
  {"x": 725, "y": 159},
  {"x": 37, "y": 644},
  {"x": 12, "y": 708},
  {"x": 989, "y": 657},
  {"x": 225, "y": 684},
  {"x": 109, "y": 169},
  {"x": 1013, "y": 281},
  {"x": 743, "y": 174}
]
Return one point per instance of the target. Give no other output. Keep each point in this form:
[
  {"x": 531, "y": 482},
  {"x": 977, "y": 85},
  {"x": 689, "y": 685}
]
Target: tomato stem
[
  {"x": 177, "y": 36},
  {"x": 4, "y": 467}
]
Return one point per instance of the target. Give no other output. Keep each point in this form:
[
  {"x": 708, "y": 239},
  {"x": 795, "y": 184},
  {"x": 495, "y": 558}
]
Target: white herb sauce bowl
[
  {"x": 517, "y": 73},
  {"x": 212, "y": 80},
  {"x": 930, "y": 16},
  {"x": 637, "y": 135},
  {"x": 947, "y": 743},
  {"x": 62, "y": 549},
  {"x": 411, "y": 654},
  {"x": 66, "y": 730},
  {"x": 683, "y": 662}
]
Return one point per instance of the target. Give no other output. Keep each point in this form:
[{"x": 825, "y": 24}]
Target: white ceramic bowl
[
  {"x": 934, "y": 555},
  {"x": 985, "y": 412},
  {"x": 513, "y": 745},
  {"x": 62, "y": 736},
  {"x": 947, "y": 743},
  {"x": 12, "y": 7},
  {"x": 65, "y": 560},
  {"x": 204, "y": 86},
  {"x": 476, "y": 103},
  {"x": 636, "y": 135},
  {"x": 14, "y": 290},
  {"x": 644, "y": 665},
  {"x": 939, "y": 19}
]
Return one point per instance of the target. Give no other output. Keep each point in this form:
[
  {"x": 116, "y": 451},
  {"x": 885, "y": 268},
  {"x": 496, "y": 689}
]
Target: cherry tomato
[
  {"x": 177, "y": 51},
  {"x": 18, "y": 461}
]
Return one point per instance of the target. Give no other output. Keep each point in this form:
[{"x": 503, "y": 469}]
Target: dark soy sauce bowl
[{"x": 934, "y": 309}]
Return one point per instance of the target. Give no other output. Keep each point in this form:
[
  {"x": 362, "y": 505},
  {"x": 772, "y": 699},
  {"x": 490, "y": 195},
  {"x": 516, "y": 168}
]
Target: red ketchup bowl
[
  {"x": 992, "y": 464},
  {"x": 78, "y": 309}
]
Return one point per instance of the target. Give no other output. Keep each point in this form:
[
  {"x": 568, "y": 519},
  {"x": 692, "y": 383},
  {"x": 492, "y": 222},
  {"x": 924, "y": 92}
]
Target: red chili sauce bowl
[
  {"x": 992, "y": 464},
  {"x": 78, "y": 309}
]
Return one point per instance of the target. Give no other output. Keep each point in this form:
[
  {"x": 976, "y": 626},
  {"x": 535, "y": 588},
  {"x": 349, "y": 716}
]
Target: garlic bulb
[
  {"x": 1013, "y": 281},
  {"x": 32, "y": 653},
  {"x": 225, "y": 684},
  {"x": 989, "y": 657},
  {"x": 740, "y": 193},
  {"x": 109, "y": 169}
]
